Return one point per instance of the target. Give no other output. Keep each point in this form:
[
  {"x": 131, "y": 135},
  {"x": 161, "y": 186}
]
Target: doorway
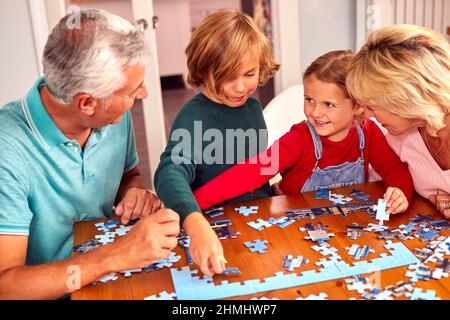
[{"x": 173, "y": 39}]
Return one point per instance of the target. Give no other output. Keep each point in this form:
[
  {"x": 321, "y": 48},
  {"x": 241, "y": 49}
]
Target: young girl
[
  {"x": 329, "y": 150},
  {"x": 228, "y": 56}
]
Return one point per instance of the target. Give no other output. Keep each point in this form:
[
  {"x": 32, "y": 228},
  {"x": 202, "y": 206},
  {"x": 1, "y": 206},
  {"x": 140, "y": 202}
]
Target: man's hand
[
  {"x": 442, "y": 202},
  {"x": 396, "y": 201},
  {"x": 205, "y": 247},
  {"x": 150, "y": 240},
  {"x": 137, "y": 203}
]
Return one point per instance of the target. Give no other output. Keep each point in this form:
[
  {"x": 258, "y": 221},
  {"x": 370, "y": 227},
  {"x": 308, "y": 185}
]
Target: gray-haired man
[{"x": 68, "y": 154}]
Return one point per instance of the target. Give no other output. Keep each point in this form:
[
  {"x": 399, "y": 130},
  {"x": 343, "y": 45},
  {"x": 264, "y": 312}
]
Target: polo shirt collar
[{"x": 39, "y": 118}]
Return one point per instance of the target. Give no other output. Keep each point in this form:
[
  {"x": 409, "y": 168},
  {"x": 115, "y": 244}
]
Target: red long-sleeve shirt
[{"x": 297, "y": 159}]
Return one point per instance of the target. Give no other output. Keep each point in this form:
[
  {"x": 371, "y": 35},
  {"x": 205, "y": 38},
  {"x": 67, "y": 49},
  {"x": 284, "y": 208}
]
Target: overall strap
[
  {"x": 316, "y": 140},
  {"x": 362, "y": 139}
]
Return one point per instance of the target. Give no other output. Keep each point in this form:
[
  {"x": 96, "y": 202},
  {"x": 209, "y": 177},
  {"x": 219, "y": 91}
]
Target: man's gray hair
[{"x": 89, "y": 57}]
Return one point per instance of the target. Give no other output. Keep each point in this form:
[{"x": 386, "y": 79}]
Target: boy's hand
[
  {"x": 137, "y": 203},
  {"x": 276, "y": 190},
  {"x": 205, "y": 247},
  {"x": 396, "y": 201},
  {"x": 442, "y": 202}
]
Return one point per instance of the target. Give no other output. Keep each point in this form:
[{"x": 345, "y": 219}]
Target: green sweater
[{"x": 206, "y": 139}]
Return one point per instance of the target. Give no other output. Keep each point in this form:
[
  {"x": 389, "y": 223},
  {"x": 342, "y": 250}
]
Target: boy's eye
[
  {"x": 250, "y": 75},
  {"x": 330, "y": 105},
  {"x": 309, "y": 100}
]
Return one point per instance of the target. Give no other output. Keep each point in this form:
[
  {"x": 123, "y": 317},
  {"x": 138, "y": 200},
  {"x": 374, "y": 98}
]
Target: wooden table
[{"x": 281, "y": 243}]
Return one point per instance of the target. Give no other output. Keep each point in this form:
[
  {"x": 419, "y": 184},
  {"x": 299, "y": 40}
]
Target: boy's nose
[{"x": 239, "y": 85}]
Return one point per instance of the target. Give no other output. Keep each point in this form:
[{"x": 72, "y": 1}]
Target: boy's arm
[
  {"x": 173, "y": 185},
  {"x": 387, "y": 164}
]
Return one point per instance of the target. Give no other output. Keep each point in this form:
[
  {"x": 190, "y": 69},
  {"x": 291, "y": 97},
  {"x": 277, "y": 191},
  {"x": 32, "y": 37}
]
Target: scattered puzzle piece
[
  {"x": 358, "y": 252},
  {"x": 257, "y": 245},
  {"x": 322, "y": 193},
  {"x": 232, "y": 271},
  {"x": 87, "y": 246},
  {"x": 358, "y": 194},
  {"x": 162, "y": 296},
  {"x": 213, "y": 213},
  {"x": 259, "y": 224},
  {"x": 292, "y": 263},
  {"x": 320, "y": 296},
  {"x": 339, "y": 199},
  {"x": 246, "y": 211},
  {"x": 371, "y": 227},
  {"x": 419, "y": 294}
]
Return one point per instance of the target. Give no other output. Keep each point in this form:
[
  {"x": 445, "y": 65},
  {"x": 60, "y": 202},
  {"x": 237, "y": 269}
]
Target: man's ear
[{"x": 86, "y": 104}]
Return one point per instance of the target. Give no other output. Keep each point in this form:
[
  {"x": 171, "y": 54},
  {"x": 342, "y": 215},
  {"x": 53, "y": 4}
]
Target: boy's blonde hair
[
  {"x": 218, "y": 46},
  {"x": 406, "y": 70}
]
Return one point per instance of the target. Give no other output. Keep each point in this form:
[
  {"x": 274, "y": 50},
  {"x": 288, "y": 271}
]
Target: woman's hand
[{"x": 442, "y": 202}]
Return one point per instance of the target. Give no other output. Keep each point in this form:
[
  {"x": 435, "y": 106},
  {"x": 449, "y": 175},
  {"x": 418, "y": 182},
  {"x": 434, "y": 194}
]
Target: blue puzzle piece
[
  {"x": 257, "y": 245},
  {"x": 380, "y": 209},
  {"x": 418, "y": 294},
  {"x": 430, "y": 235},
  {"x": 322, "y": 193},
  {"x": 259, "y": 224},
  {"x": 246, "y": 211},
  {"x": 162, "y": 296},
  {"x": 339, "y": 199},
  {"x": 358, "y": 194}
]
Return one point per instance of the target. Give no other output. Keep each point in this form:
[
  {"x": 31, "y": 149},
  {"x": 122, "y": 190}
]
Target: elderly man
[{"x": 68, "y": 154}]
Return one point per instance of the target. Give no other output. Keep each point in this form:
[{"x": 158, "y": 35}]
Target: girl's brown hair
[
  {"x": 218, "y": 46},
  {"x": 332, "y": 67}
]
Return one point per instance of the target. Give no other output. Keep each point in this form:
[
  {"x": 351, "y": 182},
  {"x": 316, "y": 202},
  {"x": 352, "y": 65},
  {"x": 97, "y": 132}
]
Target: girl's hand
[
  {"x": 442, "y": 202},
  {"x": 205, "y": 247},
  {"x": 396, "y": 201}
]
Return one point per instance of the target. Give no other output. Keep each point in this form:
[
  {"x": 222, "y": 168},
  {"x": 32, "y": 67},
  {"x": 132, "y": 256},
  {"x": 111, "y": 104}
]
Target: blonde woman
[{"x": 402, "y": 77}]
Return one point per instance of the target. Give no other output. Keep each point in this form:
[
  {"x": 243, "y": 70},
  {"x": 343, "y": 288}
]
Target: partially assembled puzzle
[{"x": 190, "y": 286}]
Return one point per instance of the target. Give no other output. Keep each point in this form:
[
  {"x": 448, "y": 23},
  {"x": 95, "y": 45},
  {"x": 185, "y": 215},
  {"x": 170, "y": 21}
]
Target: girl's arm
[
  {"x": 252, "y": 173},
  {"x": 386, "y": 163}
]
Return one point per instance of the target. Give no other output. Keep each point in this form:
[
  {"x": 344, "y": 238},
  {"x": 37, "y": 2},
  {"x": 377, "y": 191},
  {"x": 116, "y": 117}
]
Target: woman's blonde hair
[
  {"x": 404, "y": 69},
  {"x": 220, "y": 43}
]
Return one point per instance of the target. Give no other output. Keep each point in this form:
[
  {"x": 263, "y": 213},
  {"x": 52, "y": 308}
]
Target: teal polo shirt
[{"x": 48, "y": 183}]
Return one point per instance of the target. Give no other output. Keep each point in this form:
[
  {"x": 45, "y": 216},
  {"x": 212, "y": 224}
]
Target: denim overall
[{"x": 345, "y": 174}]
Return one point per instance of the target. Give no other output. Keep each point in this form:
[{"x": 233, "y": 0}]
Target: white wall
[
  {"x": 18, "y": 63},
  {"x": 326, "y": 25},
  {"x": 286, "y": 41}
]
